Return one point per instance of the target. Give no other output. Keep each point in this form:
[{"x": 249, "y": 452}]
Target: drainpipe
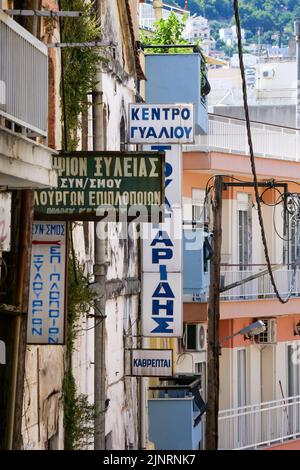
[
  {"x": 158, "y": 7},
  {"x": 14, "y": 431},
  {"x": 100, "y": 278}
]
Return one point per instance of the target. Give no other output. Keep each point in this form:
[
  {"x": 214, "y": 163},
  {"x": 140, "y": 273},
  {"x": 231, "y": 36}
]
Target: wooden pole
[{"x": 211, "y": 438}]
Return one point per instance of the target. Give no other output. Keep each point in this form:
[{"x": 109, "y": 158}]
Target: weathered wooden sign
[{"x": 89, "y": 182}]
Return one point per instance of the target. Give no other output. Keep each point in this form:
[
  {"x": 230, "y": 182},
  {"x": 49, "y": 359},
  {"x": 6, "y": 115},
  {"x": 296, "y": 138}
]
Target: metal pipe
[
  {"x": 100, "y": 278},
  {"x": 19, "y": 347}
]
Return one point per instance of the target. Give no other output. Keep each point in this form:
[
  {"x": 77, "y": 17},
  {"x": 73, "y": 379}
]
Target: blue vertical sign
[
  {"x": 46, "y": 310},
  {"x": 162, "y": 243}
]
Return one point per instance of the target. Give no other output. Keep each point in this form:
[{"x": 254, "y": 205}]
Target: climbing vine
[
  {"x": 80, "y": 64},
  {"x": 79, "y": 414}
]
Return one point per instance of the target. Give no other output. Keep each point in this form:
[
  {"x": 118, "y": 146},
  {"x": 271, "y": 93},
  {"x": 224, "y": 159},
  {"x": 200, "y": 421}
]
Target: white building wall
[
  {"x": 42, "y": 426},
  {"x": 122, "y": 256}
]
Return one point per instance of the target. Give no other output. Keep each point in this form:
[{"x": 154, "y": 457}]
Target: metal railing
[
  {"x": 269, "y": 141},
  {"x": 258, "y": 426},
  {"x": 23, "y": 77},
  {"x": 260, "y": 288}
]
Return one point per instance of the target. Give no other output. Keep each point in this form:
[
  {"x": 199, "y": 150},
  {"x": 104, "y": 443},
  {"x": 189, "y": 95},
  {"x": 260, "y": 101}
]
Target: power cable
[{"x": 251, "y": 151}]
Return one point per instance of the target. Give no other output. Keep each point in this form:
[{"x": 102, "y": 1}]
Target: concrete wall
[{"x": 280, "y": 115}]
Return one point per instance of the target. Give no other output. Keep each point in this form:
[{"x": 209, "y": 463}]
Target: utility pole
[
  {"x": 100, "y": 279},
  {"x": 158, "y": 7},
  {"x": 211, "y": 438},
  {"x": 297, "y": 38}
]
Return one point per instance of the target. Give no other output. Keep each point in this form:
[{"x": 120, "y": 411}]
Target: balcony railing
[
  {"x": 260, "y": 288},
  {"x": 23, "y": 77},
  {"x": 229, "y": 135},
  {"x": 258, "y": 426}
]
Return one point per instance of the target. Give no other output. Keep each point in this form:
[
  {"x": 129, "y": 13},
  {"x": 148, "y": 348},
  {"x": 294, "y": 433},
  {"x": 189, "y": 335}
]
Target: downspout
[
  {"x": 19, "y": 346},
  {"x": 100, "y": 279}
]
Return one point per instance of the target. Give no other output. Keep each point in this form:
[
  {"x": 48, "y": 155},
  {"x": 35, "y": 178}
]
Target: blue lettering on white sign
[
  {"x": 46, "y": 287},
  {"x": 161, "y": 363},
  {"x": 178, "y": 132}
]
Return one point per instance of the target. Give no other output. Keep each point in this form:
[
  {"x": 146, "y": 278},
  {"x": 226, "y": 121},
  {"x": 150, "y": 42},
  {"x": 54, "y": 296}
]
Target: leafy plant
[
  {"x": 166, "y": 32},
  {"x": 80, "y": 63},
  {"x": 79, "y": 414}
]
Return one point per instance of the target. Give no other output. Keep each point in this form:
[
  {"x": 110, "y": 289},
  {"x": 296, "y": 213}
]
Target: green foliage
[
  {"x": 166, "y": 32},
  {"x": 80, "y": 64},
  {"x": 274, "y": 17},
  {"x": 79, "y": 416}
]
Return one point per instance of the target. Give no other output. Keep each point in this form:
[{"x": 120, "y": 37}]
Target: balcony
[
  {"x": 175, "y": 414},
  {"x": 229, "y": 135},
  {"x": 23, "y": 77},
  {"x": 260, "y": 288},
  {"x": 260, "y": 426},
  {"x": 24, "y": 161},
  {"x": 178, "y": 78}
]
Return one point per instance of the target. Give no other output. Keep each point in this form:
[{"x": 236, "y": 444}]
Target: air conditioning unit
[
  {"x": 269, "y": 336},
  {"x": 195, "y": 337},
  {"x": 269, "y": 73}
]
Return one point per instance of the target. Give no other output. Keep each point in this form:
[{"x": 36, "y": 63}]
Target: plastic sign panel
[
  {"x": 5, "y": 221},
  {"x": 162, "y": 304},
  {"x": 161, "y": 123},
  {"x": 164, "y": 242},
  {"x": 162, "y": 257},
  {"x": 90, "y": 184},
  {"x": 152, "y": 362},
  {"x": 46, "y": 310}
]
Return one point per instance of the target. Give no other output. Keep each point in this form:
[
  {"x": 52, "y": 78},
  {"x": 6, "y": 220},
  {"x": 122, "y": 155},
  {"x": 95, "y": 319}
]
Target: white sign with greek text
[
  {"x": 161, "y": 123},
  {"x": 46, "y": 310},
  {"x": 152, "y": 362}
]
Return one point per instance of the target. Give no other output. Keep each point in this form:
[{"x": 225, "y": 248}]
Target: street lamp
[
  {"x": 212, "y": 412},
  {"x": 251, "y": 330}
]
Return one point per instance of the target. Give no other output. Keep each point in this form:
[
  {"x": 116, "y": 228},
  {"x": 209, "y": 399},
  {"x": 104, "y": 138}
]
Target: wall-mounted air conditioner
[
  {"x": 269, "y": 73},
  {"x": 195, "y": 337},
  {"x": 269, "y": 336}
]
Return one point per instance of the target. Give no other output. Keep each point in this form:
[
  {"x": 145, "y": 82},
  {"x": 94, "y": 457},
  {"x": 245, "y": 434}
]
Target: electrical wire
[{"x": 252, "y": 158}]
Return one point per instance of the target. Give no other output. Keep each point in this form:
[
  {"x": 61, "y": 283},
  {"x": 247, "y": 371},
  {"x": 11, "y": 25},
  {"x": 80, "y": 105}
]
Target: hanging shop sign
[
  {"x": 46, "y": 310},
  {"x": 162, "y": 257},
  {"x": 161, "y": 123},
  {"x": 163, "y": 244},
  {"x": 152, "y": 362},
  {"x": 162, "y": 304},
  {"x": 5, "y": 221},
  {"x": 90, "y": 184}
]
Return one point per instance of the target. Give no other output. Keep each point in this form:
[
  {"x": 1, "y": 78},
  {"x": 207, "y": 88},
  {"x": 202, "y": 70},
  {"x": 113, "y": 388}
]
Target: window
[
  {"x": 200, "y": 369},
  {"x": 198, "y": 196},
  {"x": 293, "y": 386},
  {"x": 244, "y": 231},
  {"x": 241, "y": 394},
  {"x": 294, "y": 227}
]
